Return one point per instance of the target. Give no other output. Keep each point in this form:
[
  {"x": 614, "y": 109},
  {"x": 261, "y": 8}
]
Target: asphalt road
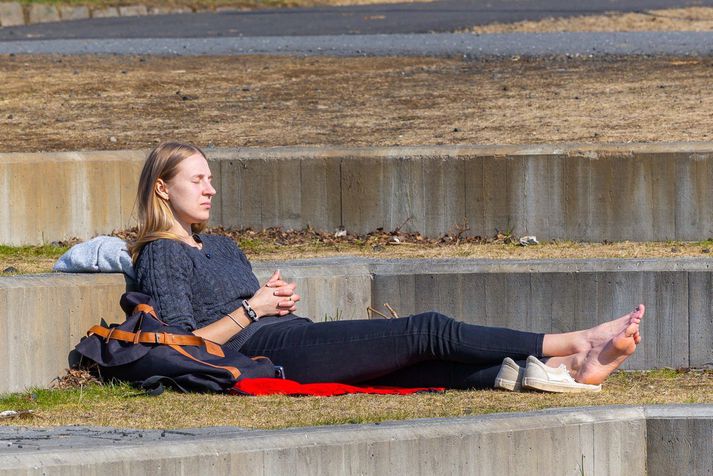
[
  {"x": 440, "y": 44},
  {"x": 437, "y": 16}
]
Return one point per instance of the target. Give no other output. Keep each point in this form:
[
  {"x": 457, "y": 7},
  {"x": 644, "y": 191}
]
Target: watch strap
[{"x": 252, "y": 315}]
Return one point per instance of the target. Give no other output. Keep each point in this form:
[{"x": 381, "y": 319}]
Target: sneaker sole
[
  {"x": 505, "y": 384},
  {"x": 554, "y": 387}
]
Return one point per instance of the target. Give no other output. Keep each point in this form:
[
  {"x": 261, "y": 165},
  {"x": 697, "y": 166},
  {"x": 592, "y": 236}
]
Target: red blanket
[{"x": 276, "y": 386}]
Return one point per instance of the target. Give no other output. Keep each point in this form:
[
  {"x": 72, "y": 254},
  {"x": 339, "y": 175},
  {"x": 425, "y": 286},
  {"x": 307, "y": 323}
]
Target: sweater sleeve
[{"x": 164, "y": 272}]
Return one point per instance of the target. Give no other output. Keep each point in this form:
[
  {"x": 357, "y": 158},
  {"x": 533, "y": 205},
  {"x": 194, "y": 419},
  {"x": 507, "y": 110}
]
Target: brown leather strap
[
  {"x": 233, "y": 371},
  {"x": 157, "y": 338},
  {"x": 145, "y": 308}
]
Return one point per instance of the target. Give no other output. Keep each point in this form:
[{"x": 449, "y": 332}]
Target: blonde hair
[{"x": 154, "y": 214}]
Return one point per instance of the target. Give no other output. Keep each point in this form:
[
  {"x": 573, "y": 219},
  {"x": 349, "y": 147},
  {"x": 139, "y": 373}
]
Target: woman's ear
[{"x": 161, "y": 189}]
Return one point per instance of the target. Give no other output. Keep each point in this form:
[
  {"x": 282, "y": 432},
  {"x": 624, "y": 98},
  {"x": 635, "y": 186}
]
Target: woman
[{"x": 205, "y": 284}]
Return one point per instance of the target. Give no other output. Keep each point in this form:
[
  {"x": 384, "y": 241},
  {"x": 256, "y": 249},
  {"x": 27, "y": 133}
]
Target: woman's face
[{"x": 190, "y": 191}]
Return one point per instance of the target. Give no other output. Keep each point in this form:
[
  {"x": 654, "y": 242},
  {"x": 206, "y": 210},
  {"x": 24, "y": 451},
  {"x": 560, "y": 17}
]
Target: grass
[
  {"x": 670, "y": 19},
  {"x": 29, "y": 259},
  {"x": 273, "y": 246},
  {"x": 105, "y": 405},
  {"x": 82, "y": 102}
]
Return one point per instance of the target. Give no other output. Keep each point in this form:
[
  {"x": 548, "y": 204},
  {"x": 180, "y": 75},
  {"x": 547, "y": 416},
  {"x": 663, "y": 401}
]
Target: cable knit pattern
[{"x": 193, "y": 288}]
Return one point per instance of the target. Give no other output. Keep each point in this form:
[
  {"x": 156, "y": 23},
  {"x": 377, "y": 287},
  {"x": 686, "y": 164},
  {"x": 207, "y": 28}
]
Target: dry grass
[
  {"x": 481, "y": 250},
  {"x": 671, "y": 19},
  {"x": 264, "y": 246},
  {"x": 81, "y": 103},
  {"x": 105, "y": 406}
]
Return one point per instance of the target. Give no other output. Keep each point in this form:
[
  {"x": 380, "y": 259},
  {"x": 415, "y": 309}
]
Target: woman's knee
[{"x": 431, "y": 319}]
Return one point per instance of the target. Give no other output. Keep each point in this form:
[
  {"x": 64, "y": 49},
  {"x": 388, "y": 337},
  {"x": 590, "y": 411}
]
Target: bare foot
[
  {"x": 569, "y": 343},
  {"x": 600, "y": 335},
  {"x": 601, "y": 362}
]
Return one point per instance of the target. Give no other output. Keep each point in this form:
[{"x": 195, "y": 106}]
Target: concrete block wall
[
  {"x": 605, "y": 440},
  {"x": 338, "y": 289},
  {"x": 679, "y": 440},
  {"x": 43, "y": 317},
  {"x": 15, "y": 13},
  {"x": 562, "y": 296},
  {"x": 638, "y": 192},
  {"x": 49, "y": 197}
]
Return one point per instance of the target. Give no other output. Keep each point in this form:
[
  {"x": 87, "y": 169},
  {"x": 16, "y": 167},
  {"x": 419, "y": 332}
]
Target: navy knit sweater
[{"x": 193, "y": 288}]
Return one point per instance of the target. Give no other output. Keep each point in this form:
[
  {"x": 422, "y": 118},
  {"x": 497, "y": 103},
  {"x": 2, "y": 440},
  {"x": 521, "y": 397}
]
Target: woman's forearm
[
  {"x": 276, "y": 298},
  {"x": 222, "y": 330}
]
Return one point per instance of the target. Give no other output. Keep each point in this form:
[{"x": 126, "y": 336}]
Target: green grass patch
[
  {"x": 42, "y": 399},
  {"x": 29, "y": 259},
  {"x": 41, "y": 251},
  {"x": 104, "y": 405}
]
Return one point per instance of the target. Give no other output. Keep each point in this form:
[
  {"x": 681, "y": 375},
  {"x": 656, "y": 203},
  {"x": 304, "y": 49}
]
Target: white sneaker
[
  {"x": 510, "y": 376},
  {"x": 538, "y": 376}
]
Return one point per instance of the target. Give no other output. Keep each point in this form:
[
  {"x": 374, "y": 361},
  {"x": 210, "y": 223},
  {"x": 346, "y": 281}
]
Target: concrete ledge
[
  {"x": 605, "y": 440},
  {"x": 679, "y": 439},
  {"x": 43, "y": 13},
  {"x": 12, "y": 14},
  {"x": 66, "y": 194},
  {"x": 42, "y": 317},
  {"x": 572, "y": 192}
]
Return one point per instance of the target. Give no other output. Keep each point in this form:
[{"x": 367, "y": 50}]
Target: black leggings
[{"x": 427, "y": 349}]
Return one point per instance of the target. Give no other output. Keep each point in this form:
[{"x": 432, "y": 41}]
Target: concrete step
[
  {"x": 42, "y": 317},
  {"x": 16, "y": 14},
  {"x": 666, "y": 440},
  {"x": 638, "y": 192}
]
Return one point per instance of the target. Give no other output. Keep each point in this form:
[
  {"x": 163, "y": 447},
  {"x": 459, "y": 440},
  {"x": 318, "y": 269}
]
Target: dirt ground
[
  {"x": 51, "y": 103},
  {"x": 673, "y": 19}
]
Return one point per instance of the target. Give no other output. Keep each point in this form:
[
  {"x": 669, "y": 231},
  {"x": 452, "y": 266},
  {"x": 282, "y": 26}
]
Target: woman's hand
[{"x": 276, "y": 298}]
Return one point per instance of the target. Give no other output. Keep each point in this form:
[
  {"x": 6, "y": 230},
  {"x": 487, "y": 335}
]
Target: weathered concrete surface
[
  {"x": 108, "y": 12},
  {"x": 133, "y": 10},
  {"x": 42, "y": 317},
  {"x": 679, "y": 439},
  {"x": 11, "y": 14},
  {"x": 337, "y": 290},
  {"x": 48, "y": 197},
  {"x": 564, "y": 192},
  {"x": 638, "y": 192},
  {"x": 70, "y": 12},
  {"x": 605, "y": 440},
  {"x": 43, "y": 13}
]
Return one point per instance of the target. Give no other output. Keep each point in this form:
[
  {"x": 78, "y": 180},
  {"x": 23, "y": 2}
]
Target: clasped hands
[{"x": 276, "y": 298}]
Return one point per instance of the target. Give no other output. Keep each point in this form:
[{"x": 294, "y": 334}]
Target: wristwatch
[{"x": 252, "y": 315}]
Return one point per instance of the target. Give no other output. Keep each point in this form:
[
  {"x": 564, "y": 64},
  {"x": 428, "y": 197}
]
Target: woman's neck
[{"x": 185, "y": 234}]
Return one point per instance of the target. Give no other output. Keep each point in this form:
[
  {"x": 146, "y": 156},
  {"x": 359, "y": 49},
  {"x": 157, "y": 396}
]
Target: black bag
[{"x": 148, "y": 353}]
